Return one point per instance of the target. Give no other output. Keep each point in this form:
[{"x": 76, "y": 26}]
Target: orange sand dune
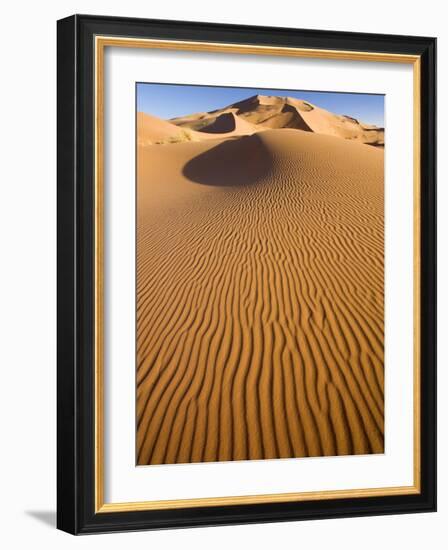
[
  {"x": 151, "y": 129},
  {"x": 229, "y": 122},
  {"x": 263, "y": 111},
  {"x": 156, "y": 131},
  {"x": 260, "y": 317}
]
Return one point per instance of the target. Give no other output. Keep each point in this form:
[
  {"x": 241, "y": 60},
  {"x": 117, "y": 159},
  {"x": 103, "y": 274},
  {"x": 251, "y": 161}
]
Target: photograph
[
  {"x": 259, "y": 273},
  {"x": 246, "y": 274},
  {"x": 221, "y": 310}
]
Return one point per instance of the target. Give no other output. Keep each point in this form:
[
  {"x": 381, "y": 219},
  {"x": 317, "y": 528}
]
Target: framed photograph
[{"x": 246, "y": 274}]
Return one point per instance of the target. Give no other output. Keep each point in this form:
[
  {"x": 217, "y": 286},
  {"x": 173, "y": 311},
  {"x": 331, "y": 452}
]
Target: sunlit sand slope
[{"x": 259, "y": 298}]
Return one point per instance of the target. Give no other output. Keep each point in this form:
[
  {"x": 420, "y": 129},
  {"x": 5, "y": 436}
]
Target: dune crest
[{"x": 229, "y": 123}]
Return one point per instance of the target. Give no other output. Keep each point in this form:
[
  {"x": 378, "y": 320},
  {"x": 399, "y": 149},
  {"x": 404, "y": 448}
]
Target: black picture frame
[{"x": 76, "y": 262}]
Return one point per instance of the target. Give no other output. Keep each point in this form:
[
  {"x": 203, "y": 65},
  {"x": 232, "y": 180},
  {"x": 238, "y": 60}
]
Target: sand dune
[
  {"x": 229, "y": 123},
  {"x": 156, "y": 131},
  {"x": 260, "y": 296},
  {"x": 263, "y": 111},
  {"x": 153, "y": 130}
]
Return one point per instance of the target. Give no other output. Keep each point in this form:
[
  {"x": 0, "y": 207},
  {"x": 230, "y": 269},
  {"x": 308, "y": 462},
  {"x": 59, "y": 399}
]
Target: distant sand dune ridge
[
  {"x": 260, "y": 298},
  {"x": 261, "y": 112}
]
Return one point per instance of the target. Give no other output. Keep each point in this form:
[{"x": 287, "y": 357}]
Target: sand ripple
[{"x": 260, "y": 299}]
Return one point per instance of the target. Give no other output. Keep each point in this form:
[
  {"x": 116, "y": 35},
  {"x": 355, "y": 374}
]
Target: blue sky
[{"x": 173, "y": 100}]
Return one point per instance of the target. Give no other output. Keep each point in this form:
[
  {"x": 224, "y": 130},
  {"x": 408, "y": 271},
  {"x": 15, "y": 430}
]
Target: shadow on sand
[{"x": 238, "y": 161}]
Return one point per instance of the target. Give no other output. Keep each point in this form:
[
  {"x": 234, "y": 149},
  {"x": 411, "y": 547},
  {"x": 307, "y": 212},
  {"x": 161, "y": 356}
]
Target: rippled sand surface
[{"x": 260, "y": 289}]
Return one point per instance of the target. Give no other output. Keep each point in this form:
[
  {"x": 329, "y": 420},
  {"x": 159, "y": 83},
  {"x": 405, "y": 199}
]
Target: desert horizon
[{"x": 260, "y": 281}]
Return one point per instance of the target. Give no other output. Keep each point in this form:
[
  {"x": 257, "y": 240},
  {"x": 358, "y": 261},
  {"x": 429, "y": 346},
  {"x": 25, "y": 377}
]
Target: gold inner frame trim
[{"x": 101, "y": 42}]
